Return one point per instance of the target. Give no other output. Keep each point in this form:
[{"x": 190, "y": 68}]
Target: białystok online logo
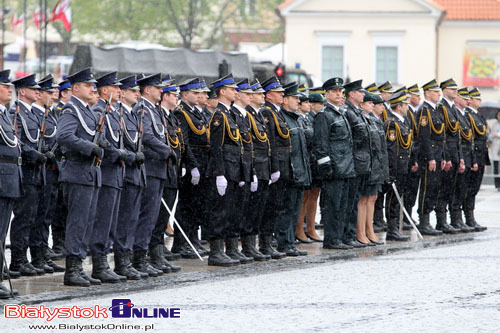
[{"x": 120, "y": 308}]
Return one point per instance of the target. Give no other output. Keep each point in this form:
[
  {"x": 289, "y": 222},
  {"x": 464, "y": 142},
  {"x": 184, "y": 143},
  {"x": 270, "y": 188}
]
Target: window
[
  {"x": 387, "y": 64},
  {"x": 332, "y": 62},
  {"x": 247, "y": 8}
]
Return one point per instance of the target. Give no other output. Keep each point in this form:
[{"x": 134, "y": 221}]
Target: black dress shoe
[
  {"x": 355, "y": 244},
  {"x": 446, "y": 228},
  {"x": 305, "y": 241},
  {"x": 319, "y": 240},
  {"x": 429, "y": 231},
  {"x": 289, "y": 252},
  {"x": 377, "y": 242},
  {"x": 367, "y": 244},
  {"x": 300, "y": 252},
  {"x": 339, "y": 246}
]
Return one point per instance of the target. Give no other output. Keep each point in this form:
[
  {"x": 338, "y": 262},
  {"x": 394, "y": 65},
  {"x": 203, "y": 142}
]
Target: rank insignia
[
  {"x": 423, "y": 121},
  {"x": 266, "y": 119},
  {"x": 216, "y": 122},
  {"x": 392, "y": 135}
]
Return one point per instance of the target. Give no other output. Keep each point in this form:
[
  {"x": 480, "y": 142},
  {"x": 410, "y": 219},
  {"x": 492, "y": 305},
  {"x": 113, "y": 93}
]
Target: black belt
[
  {"x": 233, "y": 148},
  {"x": 204, "y": 147},
  {"x": 77, "y": 157},
  {"x": 11, "y": 160}
]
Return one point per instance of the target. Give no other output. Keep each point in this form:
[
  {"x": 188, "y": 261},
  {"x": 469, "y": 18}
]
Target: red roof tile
[{"x": 471, "y": 9}]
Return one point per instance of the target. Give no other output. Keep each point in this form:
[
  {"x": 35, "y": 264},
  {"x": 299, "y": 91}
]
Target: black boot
[
  {"x": 5, "y": 293},
  {"x": 197, "y": 245},
  {"x": 233, "y": 252},
  {"x": 470, "y": 220},
  {"x": 249, "y": 249},
  {"x": 393, "y": 232},
  {"x": 378, "y": 220},
  {"x": 157, "y": 252},
  {"x": 217, "y": 257},
  {"x": 49, "y": 260},
  {"x": 442, "y": 225},
  {"x": 169, "y": 255},
  {"x": 19, "y": 263},
  {"x": 100, "y": 271},
  {"x": 425, "y": 227},
  {"x": 72, "y": 275},
  {"x": 266, "y": 248},
  {"x": 458, "y": 223},
  {"x": 38, "y": 260},
  {"x": 58, "y": 243},
  {"x": 122, "y": 263},
  {"x": 141, "y": 265}
]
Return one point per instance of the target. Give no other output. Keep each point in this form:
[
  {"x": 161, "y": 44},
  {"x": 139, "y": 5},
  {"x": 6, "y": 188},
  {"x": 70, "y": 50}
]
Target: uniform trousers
[
  {"x": 25, "y": 210},
  {"x": 81, "y": 201},
  {"x": 150, "y": 207},
  {"x": 39, "y": 234},
  {"x": 128, "y": 218},
  {"x": 105, "y": 220},
  {"x": 429, "y": 188},
  {"x": 169, "y": 195},
  {"x": 58, "y": 225},
  {"x": 273, "y": 206},
  {"x": 410, "y": 194},
  {"x": 459, "y": 192},
  {"x": 219, "y": 222},
  {"x": 238, "y": 215},
  {"x": 333, "y": 205},
  {"x": 256, "y": 206},
  {"x": 6, "y": 207},
  {"x": 392, "y": 206},
  {"x": 356, "y": 184},
  {"x": 474, "y": 184},
  {"x": 286, "y": 221},
  {"x": 446, "y": 189}
]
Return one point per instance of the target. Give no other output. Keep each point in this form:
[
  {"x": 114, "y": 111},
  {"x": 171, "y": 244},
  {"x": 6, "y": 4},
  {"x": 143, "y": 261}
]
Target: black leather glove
[
  {"x": 96, "y": 151},
  {"x": 123, "y": 154},
  {"x": 45, "y": 149},
  {"x": 390, "y": 180},
  {"x": 173, "y": 156},
  {"x": 325, "y": 171},
  {"x": 103, "y": 143},
  {"x": 51, "y": 157},
  {"x": 139, "y": 157},
  {"x": 42, "y": 159}
]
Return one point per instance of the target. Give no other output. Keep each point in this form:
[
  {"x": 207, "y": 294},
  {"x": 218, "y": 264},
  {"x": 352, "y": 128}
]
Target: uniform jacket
[
  {"x": 299, "y": 158},
  {"x": 307, "y": 123},
  {"x": 75, "y": 133},
  {"x": 177, "y": 144},
  {"x": 28, "y": 133},
  {"x": 225, "y": 146},
  {"x": 380, "y": 163},
  {"x": 412, "y": 117},
  {"x": 466, "y": 140},
  {"x": 49, "y": 142},
  {"x": 431, "y": 134},
  {"x": 194, "y": 129},
  {"x": 332, "y": 144},
  {"x": 156, "y": 150},
  {"x": 450, "y": 115},
  {"x": 261, "y": 144},
  {"x": 399, "y": 140},
  {"x": 10, "y": 172},
  {"x": 279, "y": 139},
  {"x": 480, "y": 130},
  {"x": 360, "y": 137},
  {"x": 243, "y": 123}
]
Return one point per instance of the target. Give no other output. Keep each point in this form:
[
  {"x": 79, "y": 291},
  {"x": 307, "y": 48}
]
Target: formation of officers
[{"x": 102, "y": 163}]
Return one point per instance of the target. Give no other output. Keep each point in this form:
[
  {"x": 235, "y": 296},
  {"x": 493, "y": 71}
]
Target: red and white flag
[
  {"x": 38, "y": 18},
  {"x": 62, "y": 11},
  {"x": 15, "y": 21}
]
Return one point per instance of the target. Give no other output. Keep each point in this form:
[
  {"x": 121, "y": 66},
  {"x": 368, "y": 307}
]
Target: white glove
[
  {"x": 183, "y": 172},
  {"x": 241, "y": 184},
  {"x": 254, "y": 185},
  {"x": 275, "y": 176},
  {"x": 195, "y": 176},
  {"x": 270, "y": 181},
  {"x": 221, "y": 183}
]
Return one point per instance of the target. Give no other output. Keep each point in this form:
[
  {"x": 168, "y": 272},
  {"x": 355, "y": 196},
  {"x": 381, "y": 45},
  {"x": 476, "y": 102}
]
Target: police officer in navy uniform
[
  {"x": 112, "y": 170},
  {"x": 134, "y": 182},
  {"x": 158, "y": 253},
  {"x": 80, "y": 174},
  {"x": 431, "y": 138},
  {"x": 25, "y": 208},
  {"x": 262, "y": 166},
  {"x": 335, "y": 166},
  {"x": 195, "y": 185},
  {"x": 279, "y": 140},
  {"x": 467, "y": 154},
  {"x": 299, "y": 171},
  {"x": 482, "y": 159},
  {"x": 58, "y": 225},
  {"x": 157, "y": 153},
  {"x": 399, "y": 150},
  {"x": 39, "y": 233},
  {"x": 362, "y": 156},
  {"x": 11, "y": 175},
  {"x": 454, "y": 160}
]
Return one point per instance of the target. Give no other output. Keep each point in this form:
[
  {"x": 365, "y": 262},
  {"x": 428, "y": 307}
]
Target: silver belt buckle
[{"x": 19, "y": 160}]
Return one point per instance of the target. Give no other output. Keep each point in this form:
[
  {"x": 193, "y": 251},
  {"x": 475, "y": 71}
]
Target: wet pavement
[{"x": 442, "y": 283}]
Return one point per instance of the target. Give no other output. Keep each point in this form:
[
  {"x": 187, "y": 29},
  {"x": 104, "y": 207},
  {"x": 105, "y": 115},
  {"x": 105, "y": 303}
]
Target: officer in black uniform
[
  {"x": 454, "y": 161},
  {"x": 386, "y": 90},
  {"x": 432, "y": 138},
  {"x": 469, "y": 160},
  {"x": 195, "y": 185},
  {"x": 335, "y": 166},
  {"x": 224, "y": 172},
  {"x": 10, "y": 164},
  {"x": 39, "y": 233},
  {"x": 373, "y": 89},
  {"x": 362, "y": 156},
  {"x": 80, "y": 174},
  {"x": 413, "y": 179},
  {"x": 299, "y": 171},
  {"x": 279, "y": 139},
  {"x": 482, "y": 159},
  {"x": 239, "y": 224},
  {"x": 157, "y": 153},
  {"x": 25, "y": 208},
  {"x": 262, "y": 166},
  {"x": 134, "y": 182},
  {"x": 399, "y": 146},
  {"x": 159, "y": 254}
]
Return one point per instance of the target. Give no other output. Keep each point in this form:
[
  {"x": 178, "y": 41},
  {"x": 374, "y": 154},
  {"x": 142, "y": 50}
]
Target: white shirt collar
[
  {"x": 473, "y": 110},
  {"x": 336, "y": 108},
  {"x": 79, "y": 100},
  {"x": 152, "y": 104},
  {"x": 276, "y": 106},
  {"x": 242, "y": 110},
  {"x": 166, "y": 110},
  {"x": 227, "y": 107},
  {"x": 400, "y": 117},
  {"x": 39, "y": 107},
  {"x": 26, "y": 105},
  {"x": 126, "y": 107},
  {"x": 431, "y": 104},
  {"x": 450, "y": 103},
  {"x": 462, "y": 111},
  {"x": 3, "y": 108}
]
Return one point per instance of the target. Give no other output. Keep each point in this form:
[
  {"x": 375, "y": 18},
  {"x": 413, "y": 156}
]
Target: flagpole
[
  {"x": 24, "y": 35},
  {"x": 40, "y": 59},
  {"x": 3, "y": 33},
  {"x": 45, "y": 23}
]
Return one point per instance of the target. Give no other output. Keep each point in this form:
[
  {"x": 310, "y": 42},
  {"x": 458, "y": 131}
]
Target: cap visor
[{"x": 278, "y": 89}]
